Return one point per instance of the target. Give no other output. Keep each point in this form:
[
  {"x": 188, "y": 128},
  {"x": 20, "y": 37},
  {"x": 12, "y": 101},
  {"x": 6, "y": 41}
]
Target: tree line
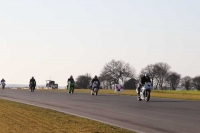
[{"x": 120, "y": 72}]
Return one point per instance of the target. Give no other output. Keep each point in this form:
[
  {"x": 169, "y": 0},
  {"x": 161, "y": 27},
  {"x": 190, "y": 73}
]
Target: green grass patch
[
  {"x": 174, "y": 94},
  {"x": 21, "y": 118}
]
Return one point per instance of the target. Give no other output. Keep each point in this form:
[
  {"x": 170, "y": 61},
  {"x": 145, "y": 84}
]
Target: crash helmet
[{"x": 147, "y": 74}]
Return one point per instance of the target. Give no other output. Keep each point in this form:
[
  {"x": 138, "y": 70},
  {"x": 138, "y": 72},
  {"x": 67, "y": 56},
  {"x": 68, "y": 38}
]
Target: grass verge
[
  {"x": 187, "y": 95},
  {"x": 21, "y": 118}
]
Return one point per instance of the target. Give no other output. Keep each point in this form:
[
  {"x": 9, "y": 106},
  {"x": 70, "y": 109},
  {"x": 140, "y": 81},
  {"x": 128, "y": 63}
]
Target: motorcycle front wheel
[
  {"x": 147, "y": 96},
  {"x": 72, "y": 90},
  {"x": 96, "y": 93},
  {"x": 139, "y": 99}
]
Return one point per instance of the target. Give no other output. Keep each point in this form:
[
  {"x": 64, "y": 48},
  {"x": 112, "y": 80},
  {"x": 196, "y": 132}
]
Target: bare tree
[
  {"x": 106, "y": 83},
  {"x": 116, "y": 71},
  {"x": 186, "y": 82},
  {"x": 196, "y": 82},
  {"x": 83, "y": 81},
  {"x": 130, "y": 84},
  {"x": 142, "y": 73},
  {"x": 160, "y": 72},
  {"x": 173, "y": 79}
]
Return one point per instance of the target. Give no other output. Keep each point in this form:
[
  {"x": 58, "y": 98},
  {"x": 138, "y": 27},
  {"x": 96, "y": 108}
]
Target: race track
[{"x": 156, "y": 116}]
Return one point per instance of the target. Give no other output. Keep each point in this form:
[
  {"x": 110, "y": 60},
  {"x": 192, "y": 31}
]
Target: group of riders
[
  {"x": 32, "y": 82},
  {"x": 144, "y": 79},
  {"x": 95, "y": 79}
]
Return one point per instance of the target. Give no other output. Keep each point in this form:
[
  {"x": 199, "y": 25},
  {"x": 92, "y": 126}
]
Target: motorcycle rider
[
  {"x": 144, "y": 79},
  {"x": 2, "y": 81},
  {"x": 32, "y": 82},
  {"x": 93, "y": 80},
  {"x": 71, "y": 79}
]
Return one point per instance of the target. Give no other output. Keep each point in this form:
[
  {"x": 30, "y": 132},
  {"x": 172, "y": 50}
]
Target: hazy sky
[{"x": 59, "y": 38}]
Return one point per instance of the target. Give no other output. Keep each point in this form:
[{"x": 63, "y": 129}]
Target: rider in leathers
[
  {"x": 144, "y": 79},
  {"x": 71, "y": 79},
  {"x": 93, "y": 80},
  {"x": 3, "y": 80},
  {"x": 32, "y": 82}
]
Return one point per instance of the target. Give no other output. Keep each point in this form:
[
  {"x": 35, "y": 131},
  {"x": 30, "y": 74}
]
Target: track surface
[{"x": 156, "y": 116}]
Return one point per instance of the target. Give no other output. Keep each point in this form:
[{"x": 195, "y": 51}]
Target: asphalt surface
[{"x": 155, "y": 116}]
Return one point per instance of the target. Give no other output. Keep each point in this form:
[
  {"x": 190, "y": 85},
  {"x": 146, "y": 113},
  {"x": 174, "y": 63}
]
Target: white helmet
[{"x": 147, "y": 74}]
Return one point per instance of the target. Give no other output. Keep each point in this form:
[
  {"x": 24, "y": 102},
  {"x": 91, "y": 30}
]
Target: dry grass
[
  {"x": 187, "y": 95},
  {"x": 21, "y": 118}
]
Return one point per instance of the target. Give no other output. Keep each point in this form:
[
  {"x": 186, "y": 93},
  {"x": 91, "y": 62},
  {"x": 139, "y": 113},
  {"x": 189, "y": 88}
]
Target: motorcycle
[
  {"x": 3, "y": 85},
  {"x": 32, "y": 87},
  {"x": 95, "y": 88},
  {"x": 71, "y": 86},
  {"x": 145, "y": 92}
]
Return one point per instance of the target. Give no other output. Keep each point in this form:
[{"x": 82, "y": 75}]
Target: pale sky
[{"x": 59, "y": 38}]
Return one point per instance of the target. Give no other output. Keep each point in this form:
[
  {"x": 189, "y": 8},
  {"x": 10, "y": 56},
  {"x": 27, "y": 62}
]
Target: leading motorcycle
[{"x": 145, "y": 92}]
